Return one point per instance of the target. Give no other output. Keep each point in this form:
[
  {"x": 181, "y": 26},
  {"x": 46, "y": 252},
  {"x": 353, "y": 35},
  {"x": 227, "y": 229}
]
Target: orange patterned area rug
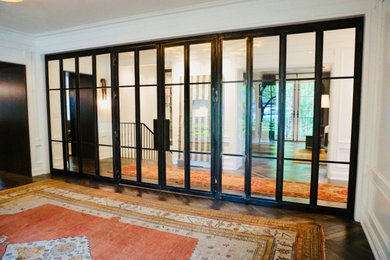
[
  {"x": 260, "y": 186},
  {"x": 56, "y": 220}
]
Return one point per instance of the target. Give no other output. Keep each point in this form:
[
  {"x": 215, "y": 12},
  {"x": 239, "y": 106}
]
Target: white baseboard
[{"x": 375, "y": 236}]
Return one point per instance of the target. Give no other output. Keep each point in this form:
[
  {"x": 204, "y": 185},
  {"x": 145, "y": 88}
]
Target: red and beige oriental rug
[{"x": 56, "y": 220}]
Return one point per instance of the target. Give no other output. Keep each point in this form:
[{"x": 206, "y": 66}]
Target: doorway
[{"x": 14, "y": 132}]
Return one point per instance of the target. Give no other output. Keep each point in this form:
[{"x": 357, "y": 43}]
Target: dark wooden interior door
[{"x": 14, "y": 131}]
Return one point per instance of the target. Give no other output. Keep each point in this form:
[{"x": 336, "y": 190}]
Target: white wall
[
  {"x": 375, "y": 193},
  {"x": 373, "y": 175},
  {"x": 19, "y": 48}
]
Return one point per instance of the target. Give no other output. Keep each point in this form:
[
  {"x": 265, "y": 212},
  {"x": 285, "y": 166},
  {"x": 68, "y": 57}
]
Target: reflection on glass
[
  {"x": 104, "y": 116},
  {"x": 233, "y": 175},
  {"x": 299, "y": 119},
  {"x": 103, "y": 70},
  {"x": 233, "y": 118},
  {"x": 333, "y": 185},
  {"x": 200, "y": 118},
  {"x": 265, "y": 58},
  {"x": 265, "y": 116},
  {"x": 54, "y": 74},
  {"x": 175, "y": 169},
  {"x": 71, "y": 115},
  {"x": 72, "y": 158},
  {"x": 69, "y": 65},
  {"x": 126, "y": 68},
  {"x": 336, "y": 120},
  {"x": 200, "y": 171},
  {"x": 339, "y": 52},
  {"x": 234, "y": 60},
  {"x": 263, "y": 178},
  {"x": 148, "y": 67},
  {"x": 174, "y": 63},
  {"x": 300, "y": 53},
  {"x": 55, "y": 115},
  {"x": 87, "y": 119},
  {"x": 106, "y": 161},
  {"x": 296, "y": 181},
  {"x": 57, "y": 155},
  {"x": 200, "y": 62},
  {"x": 174, "y": 112},
  {"x": 148, "y": 111},
  {"x": 129, "y": 164},
  {"x": 88, "y": 155},
  {"x": 85, "y": 66}
]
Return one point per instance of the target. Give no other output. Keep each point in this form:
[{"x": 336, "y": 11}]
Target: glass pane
[
  {"x": 233, "y": 175},
  {"x": 333, "y": 185},
  {"x": 339, "y": 52},
  {"x": 127, "y": 117},
  {"x": 106, "y": 161},
  {"x": 126, "y": 68},
  {"x": 129, "y": 163},
  {"x": 296, "y": 181},
  {"x": 85, "y": 66},
  {"x": 336, "y": 119},
  {"x": 148, "y": 111},
  {"x": 265, "y": 118},
  {"x": 71, "y": 115},
  {"x": 104, "y": 115},
  {"x": 233, "y": 118},
  {"x": 86, "y": 81},
  {"x": 200, "y": 118},
  {"x": 299, "y": 119},
  {"x": 103, "y": 70},
  {"x": 266, "y": 58},
  {"x": 234, "y": 60},
  {"x": 87, "y": 118},
  {"x": 175, "y": 169},
  {"x": 55, "y": 115},
  {"x": 54, "y": 74},
  {"x": 300, "y": 53},
  {"x": 200, "y": 171},
  {"x": 174, "y": 112},
  {"x": 149, "y": 166},
  {"x": 263, "y": 178},
  {"x": 57, "y": 155},
  {"x": 88, "y": 154},
  {"x": 70, "y": 79},
  {"x": 200, "y": 62},
  {"x": 174, "y": 64},
  {"x": 69, "y": 65},
  {"x": 148, "y": 67},
  {"x": 73, "y": 164}
]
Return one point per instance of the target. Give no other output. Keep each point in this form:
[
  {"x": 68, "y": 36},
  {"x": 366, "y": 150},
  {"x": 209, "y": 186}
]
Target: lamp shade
[{"x": 325, "y": 101}]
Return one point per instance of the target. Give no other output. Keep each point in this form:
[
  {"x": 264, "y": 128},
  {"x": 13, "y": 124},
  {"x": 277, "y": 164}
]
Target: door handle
[{"x": 158, "y": 135}]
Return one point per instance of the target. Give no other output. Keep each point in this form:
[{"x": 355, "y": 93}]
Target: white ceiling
[{"x": 40, "y": 16}]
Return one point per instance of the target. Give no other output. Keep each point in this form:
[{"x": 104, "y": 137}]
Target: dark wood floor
[{"x": 345, "y": 238}]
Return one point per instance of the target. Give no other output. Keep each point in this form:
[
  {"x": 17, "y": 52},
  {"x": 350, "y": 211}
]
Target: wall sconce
[
  {"x": 325, "y": 101},
  {"x": 104, "y": 89}
]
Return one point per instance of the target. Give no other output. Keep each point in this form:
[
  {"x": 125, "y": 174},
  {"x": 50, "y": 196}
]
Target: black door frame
[{"x": 216, "y": 93}]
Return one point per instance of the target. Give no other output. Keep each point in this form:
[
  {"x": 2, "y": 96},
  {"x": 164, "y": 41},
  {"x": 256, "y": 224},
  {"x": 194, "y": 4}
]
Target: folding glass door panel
[
  {"x": 104, "y": 114},
  {"x": 137, "y": 77},
  {"x": 187, "y": 78},
  {"x": 265, "y": 116}
]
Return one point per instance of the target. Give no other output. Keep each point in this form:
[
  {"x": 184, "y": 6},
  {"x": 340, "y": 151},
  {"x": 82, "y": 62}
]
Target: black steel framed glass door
[{"x": 266, "y": 116}]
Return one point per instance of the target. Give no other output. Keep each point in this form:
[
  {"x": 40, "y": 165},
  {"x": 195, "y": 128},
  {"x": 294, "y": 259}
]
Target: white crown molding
[{"x": 148, "y": 15}]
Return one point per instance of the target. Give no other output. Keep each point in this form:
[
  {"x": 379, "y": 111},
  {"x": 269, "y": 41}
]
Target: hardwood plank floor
[{"x": 345, "y": 238}]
